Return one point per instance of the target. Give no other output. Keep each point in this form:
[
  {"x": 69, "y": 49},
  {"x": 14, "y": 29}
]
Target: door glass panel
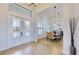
[
  {"x": 27, "y": 25},
  {"x": 40, "y": 31},
  {"x": 15, "y": 26}
]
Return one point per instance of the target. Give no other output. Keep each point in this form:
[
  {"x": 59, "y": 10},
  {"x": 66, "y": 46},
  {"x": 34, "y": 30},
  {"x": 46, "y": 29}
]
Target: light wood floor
[{"x": 41, "y": 47}]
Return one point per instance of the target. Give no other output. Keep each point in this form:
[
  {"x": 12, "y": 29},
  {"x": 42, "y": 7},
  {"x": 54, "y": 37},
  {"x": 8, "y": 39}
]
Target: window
[
  {"x": 43, "y": 24},
  {"x": 46, "y": 24},
  {"x": 40, "y": 25},
  {"x": 40, "y": 29},
  {"x": 19, "y": 9}
]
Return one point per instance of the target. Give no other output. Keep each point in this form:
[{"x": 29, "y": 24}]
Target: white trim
[{"x": 20, "y": 15}]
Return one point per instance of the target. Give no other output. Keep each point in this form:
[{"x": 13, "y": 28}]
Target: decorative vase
[
  {"x": 72, "y": 50},
  {"x": 72, "y": 29}
]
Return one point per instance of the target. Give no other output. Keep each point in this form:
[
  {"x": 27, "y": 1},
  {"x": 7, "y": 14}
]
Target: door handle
[{"x": 21, "y": 33}]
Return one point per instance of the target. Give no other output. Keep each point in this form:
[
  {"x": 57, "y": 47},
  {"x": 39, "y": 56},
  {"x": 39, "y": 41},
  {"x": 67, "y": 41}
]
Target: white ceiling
[
  {"x": 47, "y": 9},
  {"x": 50, "y": 11},
  {"x": 42, "y": 6}
]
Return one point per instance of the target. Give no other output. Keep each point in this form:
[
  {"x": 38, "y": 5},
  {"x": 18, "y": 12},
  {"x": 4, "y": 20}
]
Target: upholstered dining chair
[{"x": 49, "y": 35}]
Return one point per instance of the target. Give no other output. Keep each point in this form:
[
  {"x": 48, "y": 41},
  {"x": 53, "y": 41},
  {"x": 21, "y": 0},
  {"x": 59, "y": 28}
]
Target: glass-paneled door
[
  {"x": 26, "y": 33},
  {"x": 19, "y": 24},
  {"x": 16, "y": 27},
  {"x": 20, "y": 28}
]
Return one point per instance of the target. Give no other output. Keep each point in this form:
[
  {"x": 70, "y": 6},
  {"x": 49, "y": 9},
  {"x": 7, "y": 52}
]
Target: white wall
[
  {"x": 3, "y": 26},
  {"x": 73, "y": 12},
  {"x": 70, "y": 11},
  {"x": 66, "y": 29},
  {"x": 76, "y": 37}
]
